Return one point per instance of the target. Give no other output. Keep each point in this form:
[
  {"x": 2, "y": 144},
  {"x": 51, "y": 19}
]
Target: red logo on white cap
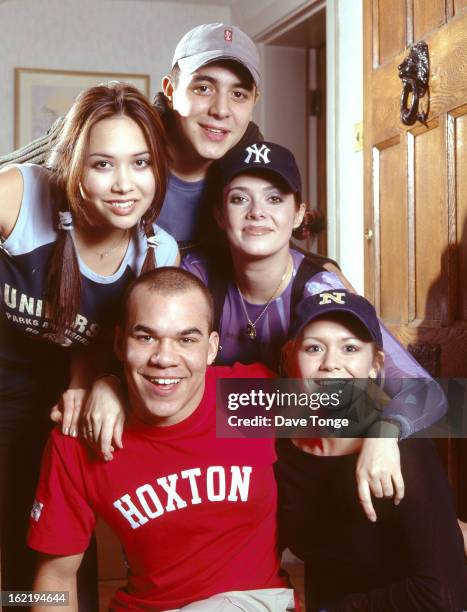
[{"x": 228, "y": 34}]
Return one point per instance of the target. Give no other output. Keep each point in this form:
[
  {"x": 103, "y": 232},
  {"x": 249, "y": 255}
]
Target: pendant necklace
[
  {"x": 103, "y": 254},
  {"x": 251, "y": 325}
]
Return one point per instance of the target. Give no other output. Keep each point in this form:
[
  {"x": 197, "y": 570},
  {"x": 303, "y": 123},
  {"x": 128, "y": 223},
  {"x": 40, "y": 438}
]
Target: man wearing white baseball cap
[
  {"x": 211, "y": 89},
  {"x": 206, "y": 105},
  {"x": 214, "y": 41}
]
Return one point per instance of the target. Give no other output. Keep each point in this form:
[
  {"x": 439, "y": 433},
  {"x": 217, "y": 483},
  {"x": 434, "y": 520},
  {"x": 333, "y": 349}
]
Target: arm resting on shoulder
[
  {"x": 87, "y": 364},
  {"x": 104, "y": 415},
  {"x": 417, "y": 401},
  {"x": 35, "y": 152}
]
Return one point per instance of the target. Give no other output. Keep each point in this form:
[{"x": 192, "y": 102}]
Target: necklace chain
[
  {"x": 251, "y": 326},
  {"x": 103, "y": 254}
]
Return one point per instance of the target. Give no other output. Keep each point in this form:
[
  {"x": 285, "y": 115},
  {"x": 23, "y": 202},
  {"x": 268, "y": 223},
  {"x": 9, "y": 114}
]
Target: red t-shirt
[{"x": 195, "y": 514}]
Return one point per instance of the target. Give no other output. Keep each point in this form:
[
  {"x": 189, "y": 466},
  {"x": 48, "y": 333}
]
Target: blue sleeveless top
[{"x": 24, "y": 260}]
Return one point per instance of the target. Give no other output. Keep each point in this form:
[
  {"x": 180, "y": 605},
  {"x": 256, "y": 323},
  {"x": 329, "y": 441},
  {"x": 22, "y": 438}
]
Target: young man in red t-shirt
[{"x": 196, "y": 515}]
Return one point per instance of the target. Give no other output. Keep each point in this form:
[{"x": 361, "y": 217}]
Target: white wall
[
  {"x": 284, "y": 84},
  {"x": 344, "y": 33},
  {"x": 91, "y": 35},
  {"x": 345, "y": 109}
]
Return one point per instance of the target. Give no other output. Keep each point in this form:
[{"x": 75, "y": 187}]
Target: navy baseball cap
[
  {"x": 267, "y": 156},
  {"x": 336, "y": 300}
]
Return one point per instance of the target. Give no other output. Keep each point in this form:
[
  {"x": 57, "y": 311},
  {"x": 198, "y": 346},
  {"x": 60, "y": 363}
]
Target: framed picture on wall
[{"x": 43, "y": 95}]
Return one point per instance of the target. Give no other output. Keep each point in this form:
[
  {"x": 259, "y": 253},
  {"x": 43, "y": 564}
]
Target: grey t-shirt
[{"x": 181, "y": 208}]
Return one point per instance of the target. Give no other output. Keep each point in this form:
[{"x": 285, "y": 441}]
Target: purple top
[{"x": 415, "y": 404}]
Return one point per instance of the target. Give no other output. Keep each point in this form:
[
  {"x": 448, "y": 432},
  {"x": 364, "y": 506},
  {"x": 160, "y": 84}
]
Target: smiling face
[
  {"x": 258, "y": 216},
  {"x": 165, "y": 348},
  {"x": 334, "y": 346},
  {"x": 118, "y": 184},
  {"x": 213, "y": 107}
]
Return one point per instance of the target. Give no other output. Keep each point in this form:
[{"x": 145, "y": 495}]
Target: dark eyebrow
[
  {"x": 143, "y": 328},
  {"x": 239, "y": 187},
  {"x": 190, "y": 331},
  {"x": 345, "y": 339},
  {"x": 272, "y": 187},
  {"x": 266, "y": 189},
  {"x": 112, "y": 156},
  {"x": 152, "y": 332},
  {"x": 205, "y": 77}
]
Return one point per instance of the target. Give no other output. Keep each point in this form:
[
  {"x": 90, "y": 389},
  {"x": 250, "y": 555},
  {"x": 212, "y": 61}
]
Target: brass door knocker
[{"x": 415, "y": 73}]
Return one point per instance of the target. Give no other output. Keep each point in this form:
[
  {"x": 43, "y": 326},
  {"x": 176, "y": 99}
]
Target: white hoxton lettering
[{"x": 149, "y": 502}]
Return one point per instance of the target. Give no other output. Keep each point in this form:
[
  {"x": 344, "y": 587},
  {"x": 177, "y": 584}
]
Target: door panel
[
  {"x": 416, "y": 189},
  {"x": 460, "y": 159},
  {"x": 430, "y": 223},
  {"x": 427, "y": 16},
  {"x": 390, "y": 34},
  {"x": 393, "y": 241}
]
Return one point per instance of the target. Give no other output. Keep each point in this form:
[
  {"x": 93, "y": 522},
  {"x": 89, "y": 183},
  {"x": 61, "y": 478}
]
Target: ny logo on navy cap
[{"x": 260, "y": 156}]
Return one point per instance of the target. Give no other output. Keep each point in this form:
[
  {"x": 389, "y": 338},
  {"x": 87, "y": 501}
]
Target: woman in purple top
[{"x": 259, "y": 208}]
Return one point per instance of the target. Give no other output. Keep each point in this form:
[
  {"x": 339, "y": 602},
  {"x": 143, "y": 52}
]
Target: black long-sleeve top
[{"x": 411, "y": 559}]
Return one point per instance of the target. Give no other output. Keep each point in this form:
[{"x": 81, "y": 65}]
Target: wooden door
[{"x": 416, "y": 190}]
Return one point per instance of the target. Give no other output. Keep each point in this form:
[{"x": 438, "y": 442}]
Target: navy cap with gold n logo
[{"x": 336, "y": 300}]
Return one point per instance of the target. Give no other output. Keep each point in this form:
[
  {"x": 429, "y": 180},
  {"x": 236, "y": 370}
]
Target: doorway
[{"x": 293, "y": 107}]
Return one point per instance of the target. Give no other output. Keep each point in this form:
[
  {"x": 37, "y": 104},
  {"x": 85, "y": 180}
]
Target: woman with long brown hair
[{"x": 73, "y": 235}]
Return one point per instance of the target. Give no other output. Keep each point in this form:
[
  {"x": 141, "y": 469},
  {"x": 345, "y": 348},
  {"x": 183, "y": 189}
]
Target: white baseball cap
[{"x": 212, "y": 41}]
